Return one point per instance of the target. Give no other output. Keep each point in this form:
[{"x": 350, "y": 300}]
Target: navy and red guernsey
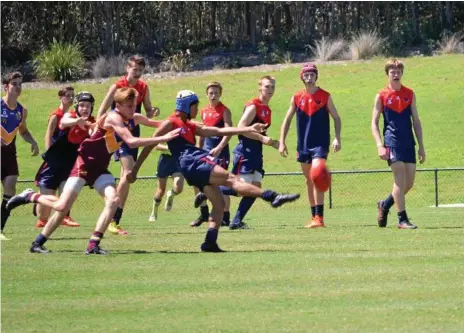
[
  {"x": 185, "y": 143},
  {"x": 249, "y": 149},
  {"x": 59, "y": 115},
  {"x": 312, "y": 120},
  {"x": 396, "y": 110},
  {"x": 213, "y": 116}
]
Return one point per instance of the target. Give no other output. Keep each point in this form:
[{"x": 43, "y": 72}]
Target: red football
[{"x": 320, "y": 175}]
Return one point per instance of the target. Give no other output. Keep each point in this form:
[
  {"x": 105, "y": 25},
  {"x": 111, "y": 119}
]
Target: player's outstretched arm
[
  {"x": 381, "y": 150},
  {"x": 247, "y": 117},
  {"x": 149, "y": 109},
  {"x": 27, "y": 136},
  {"x": 416, "y": 123},
  {"x": 215, "y": 131},
  {"x": 165, "y": 128},
  {"x": 140, "y": 119},
  {"x": 285, "y": 127},
  {"x": 337, "y": 143},
  {"x": 107, "y": 101},
  {"x": 68, "y": 121}
]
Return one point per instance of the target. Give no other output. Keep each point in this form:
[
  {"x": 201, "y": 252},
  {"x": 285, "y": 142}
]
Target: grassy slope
[{"x": 437, "y": 82}]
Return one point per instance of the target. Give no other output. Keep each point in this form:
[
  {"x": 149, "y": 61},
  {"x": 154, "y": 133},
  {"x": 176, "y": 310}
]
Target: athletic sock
[
  {"x": 388, "y": 202},
  {"x": 211, "y": 236},
  {"x": 243, "y": 208},
  {"x": 204, "y": 210},
  {"x": 5, "y": 212},
  {"x": 94, "y": 240},
  {"x": 117, "y": 215},
  {"x": 313, "y": 211},
  {"x": 319, "y": 210},
  {"x": 228, "y": 191},
  {"x": 40, "y": 240},
  {"x": 226, "y": 217},
  {"x": 402, "y": 216}
]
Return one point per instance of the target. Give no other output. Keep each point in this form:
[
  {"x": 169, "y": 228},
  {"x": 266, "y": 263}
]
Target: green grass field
[{"x": 277, "y": 276}]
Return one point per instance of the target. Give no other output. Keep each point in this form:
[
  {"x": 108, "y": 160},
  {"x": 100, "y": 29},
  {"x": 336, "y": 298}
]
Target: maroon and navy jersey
[
  {"x": 248, "y": 148},
  {"x": 213, "y": 116},
  {"x": 63, "y": 151},
  {"x": 312, "y": 120},
  {"x": 396, "y": 110},
  {"x": 11, "y": 121},
  {"x": 59, "y": 115},
  {"x": 96, "y": 151},
  {"x": 185, "y": 143}
]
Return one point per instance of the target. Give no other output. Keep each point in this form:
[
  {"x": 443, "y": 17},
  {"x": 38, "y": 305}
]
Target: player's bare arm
[
  {"x": 377, "y": 111},
  {"x": 27, "y": 136},
  {"x": 164, "y": 128},
  {"x": 416, "y": 124},
  {"x": 149, "y": 109},
  {"x": 140, "y": 119},
  {"x": 285, "y": 128},
  {"x": 227, "y": 116},
  {"x": 247, "y": 117},
  {"x": 215, "y": 131},
  {"x": 52, "y": 123},
  {"x": 162, "y": 147},
  {"x": 107, "y": 101},
  {"x": 337, "y": 142},
  {"x": 68, "y": 121}
]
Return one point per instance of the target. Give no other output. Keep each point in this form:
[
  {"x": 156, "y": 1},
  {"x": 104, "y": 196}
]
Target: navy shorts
[
  {"x": 401, "y": 154},
  {"x": 50, "y": 177},
  {"x": 243, "y": 165},
  {"x": 9, "y": 165},
  {"x": 125, "y": 150},
  {"x": 316, "y": 152},
  {"x": 223, "y": 160},
  {"x": 197, "y": 169},
  {"x": 167, "y": 166}
]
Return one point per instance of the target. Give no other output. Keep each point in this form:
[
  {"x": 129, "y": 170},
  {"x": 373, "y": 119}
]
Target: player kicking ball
[{"x": 202, "y": 170}]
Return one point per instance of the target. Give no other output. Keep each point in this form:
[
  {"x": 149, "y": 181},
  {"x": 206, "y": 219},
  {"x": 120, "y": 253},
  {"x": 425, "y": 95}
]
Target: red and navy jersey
[
  {"x": 11, "y": 121},
  {"x": 59, "y": 115},
  {"x": 249, "y": 148},
  {"x": 396, "y": 110},
  {"x": 63, "y": 151},
  {"x": 213, "y": 116},
  {"x": 141, "y": 88},
  {"x": 185, "y": 143},
  {"x": 312, "y": 120}
]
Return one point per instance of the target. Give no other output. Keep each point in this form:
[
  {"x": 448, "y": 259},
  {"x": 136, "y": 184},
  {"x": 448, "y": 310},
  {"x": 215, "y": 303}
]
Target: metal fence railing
[{"x": 433, "y": 187}]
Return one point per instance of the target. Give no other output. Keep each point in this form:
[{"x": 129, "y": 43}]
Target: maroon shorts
[
  {"x": 88, "y": 171},
  {"x": 9, "y": 164}
]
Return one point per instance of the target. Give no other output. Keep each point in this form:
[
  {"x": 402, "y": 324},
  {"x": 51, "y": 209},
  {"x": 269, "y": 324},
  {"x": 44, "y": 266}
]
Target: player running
[
  {"x": 65, "y": 131},
  {"x": 397, "y": 104},
  {"x": 125, "y": 154},
  {"x": 13, "y": 117},
  {"x": 91, "y": 168},
  {"x": 167, "y": 167},
  {"x": 202, "y": 170},
  {"x": 312, "y": 107},
  {"x": 218, "y": 115}
]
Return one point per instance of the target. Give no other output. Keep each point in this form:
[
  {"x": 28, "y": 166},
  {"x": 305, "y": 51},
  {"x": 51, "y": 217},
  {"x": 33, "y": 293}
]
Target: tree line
[{"x": 158, "y": 28}]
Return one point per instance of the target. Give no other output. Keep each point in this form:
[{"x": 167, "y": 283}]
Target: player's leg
[
  {"x": 226, "y": 216},
  {"x": 204, "y": 211},
  {"x": 319, "y": 204},
  {"x": 160, "y": 190},
  {"x": 127, "y": 163},
  {"x": 67, "y": 221},
  {"x": 43, "y": 212},
  {"x": 62, "y": 205},
  {"x": 306, "y": 169},
  {"x": 177, "y": 187},
  {"x": 105, "y": 186},
  {"x": 246, "y": 202},
  {"x": 222, "y": 177},
  {"x": 9, "y": 190},
  {"x": 410, "y": 169},
  {"x": 213, "y": 194},
  {"x": 399, "y": 174}
]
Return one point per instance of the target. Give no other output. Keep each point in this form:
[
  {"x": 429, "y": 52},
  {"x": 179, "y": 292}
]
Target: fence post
[
  {"x": 436, "y": 187},
  {"x": 330, "y": 196}
]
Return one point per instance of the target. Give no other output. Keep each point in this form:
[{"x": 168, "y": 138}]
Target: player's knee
[
  {"x": 62, "y": 206},
  {"x": 113, "y": 200},
  {"x": 178, "y": 188}
]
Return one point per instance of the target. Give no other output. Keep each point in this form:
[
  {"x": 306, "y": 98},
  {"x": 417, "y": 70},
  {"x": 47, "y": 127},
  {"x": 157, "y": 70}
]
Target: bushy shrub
[
  {"x": 327, "y": 49},
  {"x": 60, "y": 62},
  {"x": 453, "y": 43},
  {"x": 178, "y": 62},
  {"x": 112, "y": 66},
  {"x": 365, "y": 45}
]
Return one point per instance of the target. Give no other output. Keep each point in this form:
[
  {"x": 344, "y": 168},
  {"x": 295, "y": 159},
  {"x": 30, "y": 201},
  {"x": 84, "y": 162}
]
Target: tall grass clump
[
  {"x": 327, "y": 49},
  {"x": 60, "y": 62},
  {"x": 365, "y": 45},
  {"x": 452, "y": 43}
]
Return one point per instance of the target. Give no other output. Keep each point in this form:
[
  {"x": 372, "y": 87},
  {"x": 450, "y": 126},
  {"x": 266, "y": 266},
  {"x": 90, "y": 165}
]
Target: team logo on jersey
[
  {"x": 406, "y": 99},
  {"x": 4, "y": 114},
  {"x": 389, "y": 101},
  {"x": 18, "y": 116},
  {"x": 318, "y": 102},
  {"x": 397, "y": 98},
  {"x": 302, "y": 102},
  {"x": 183, "y": 131}
]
